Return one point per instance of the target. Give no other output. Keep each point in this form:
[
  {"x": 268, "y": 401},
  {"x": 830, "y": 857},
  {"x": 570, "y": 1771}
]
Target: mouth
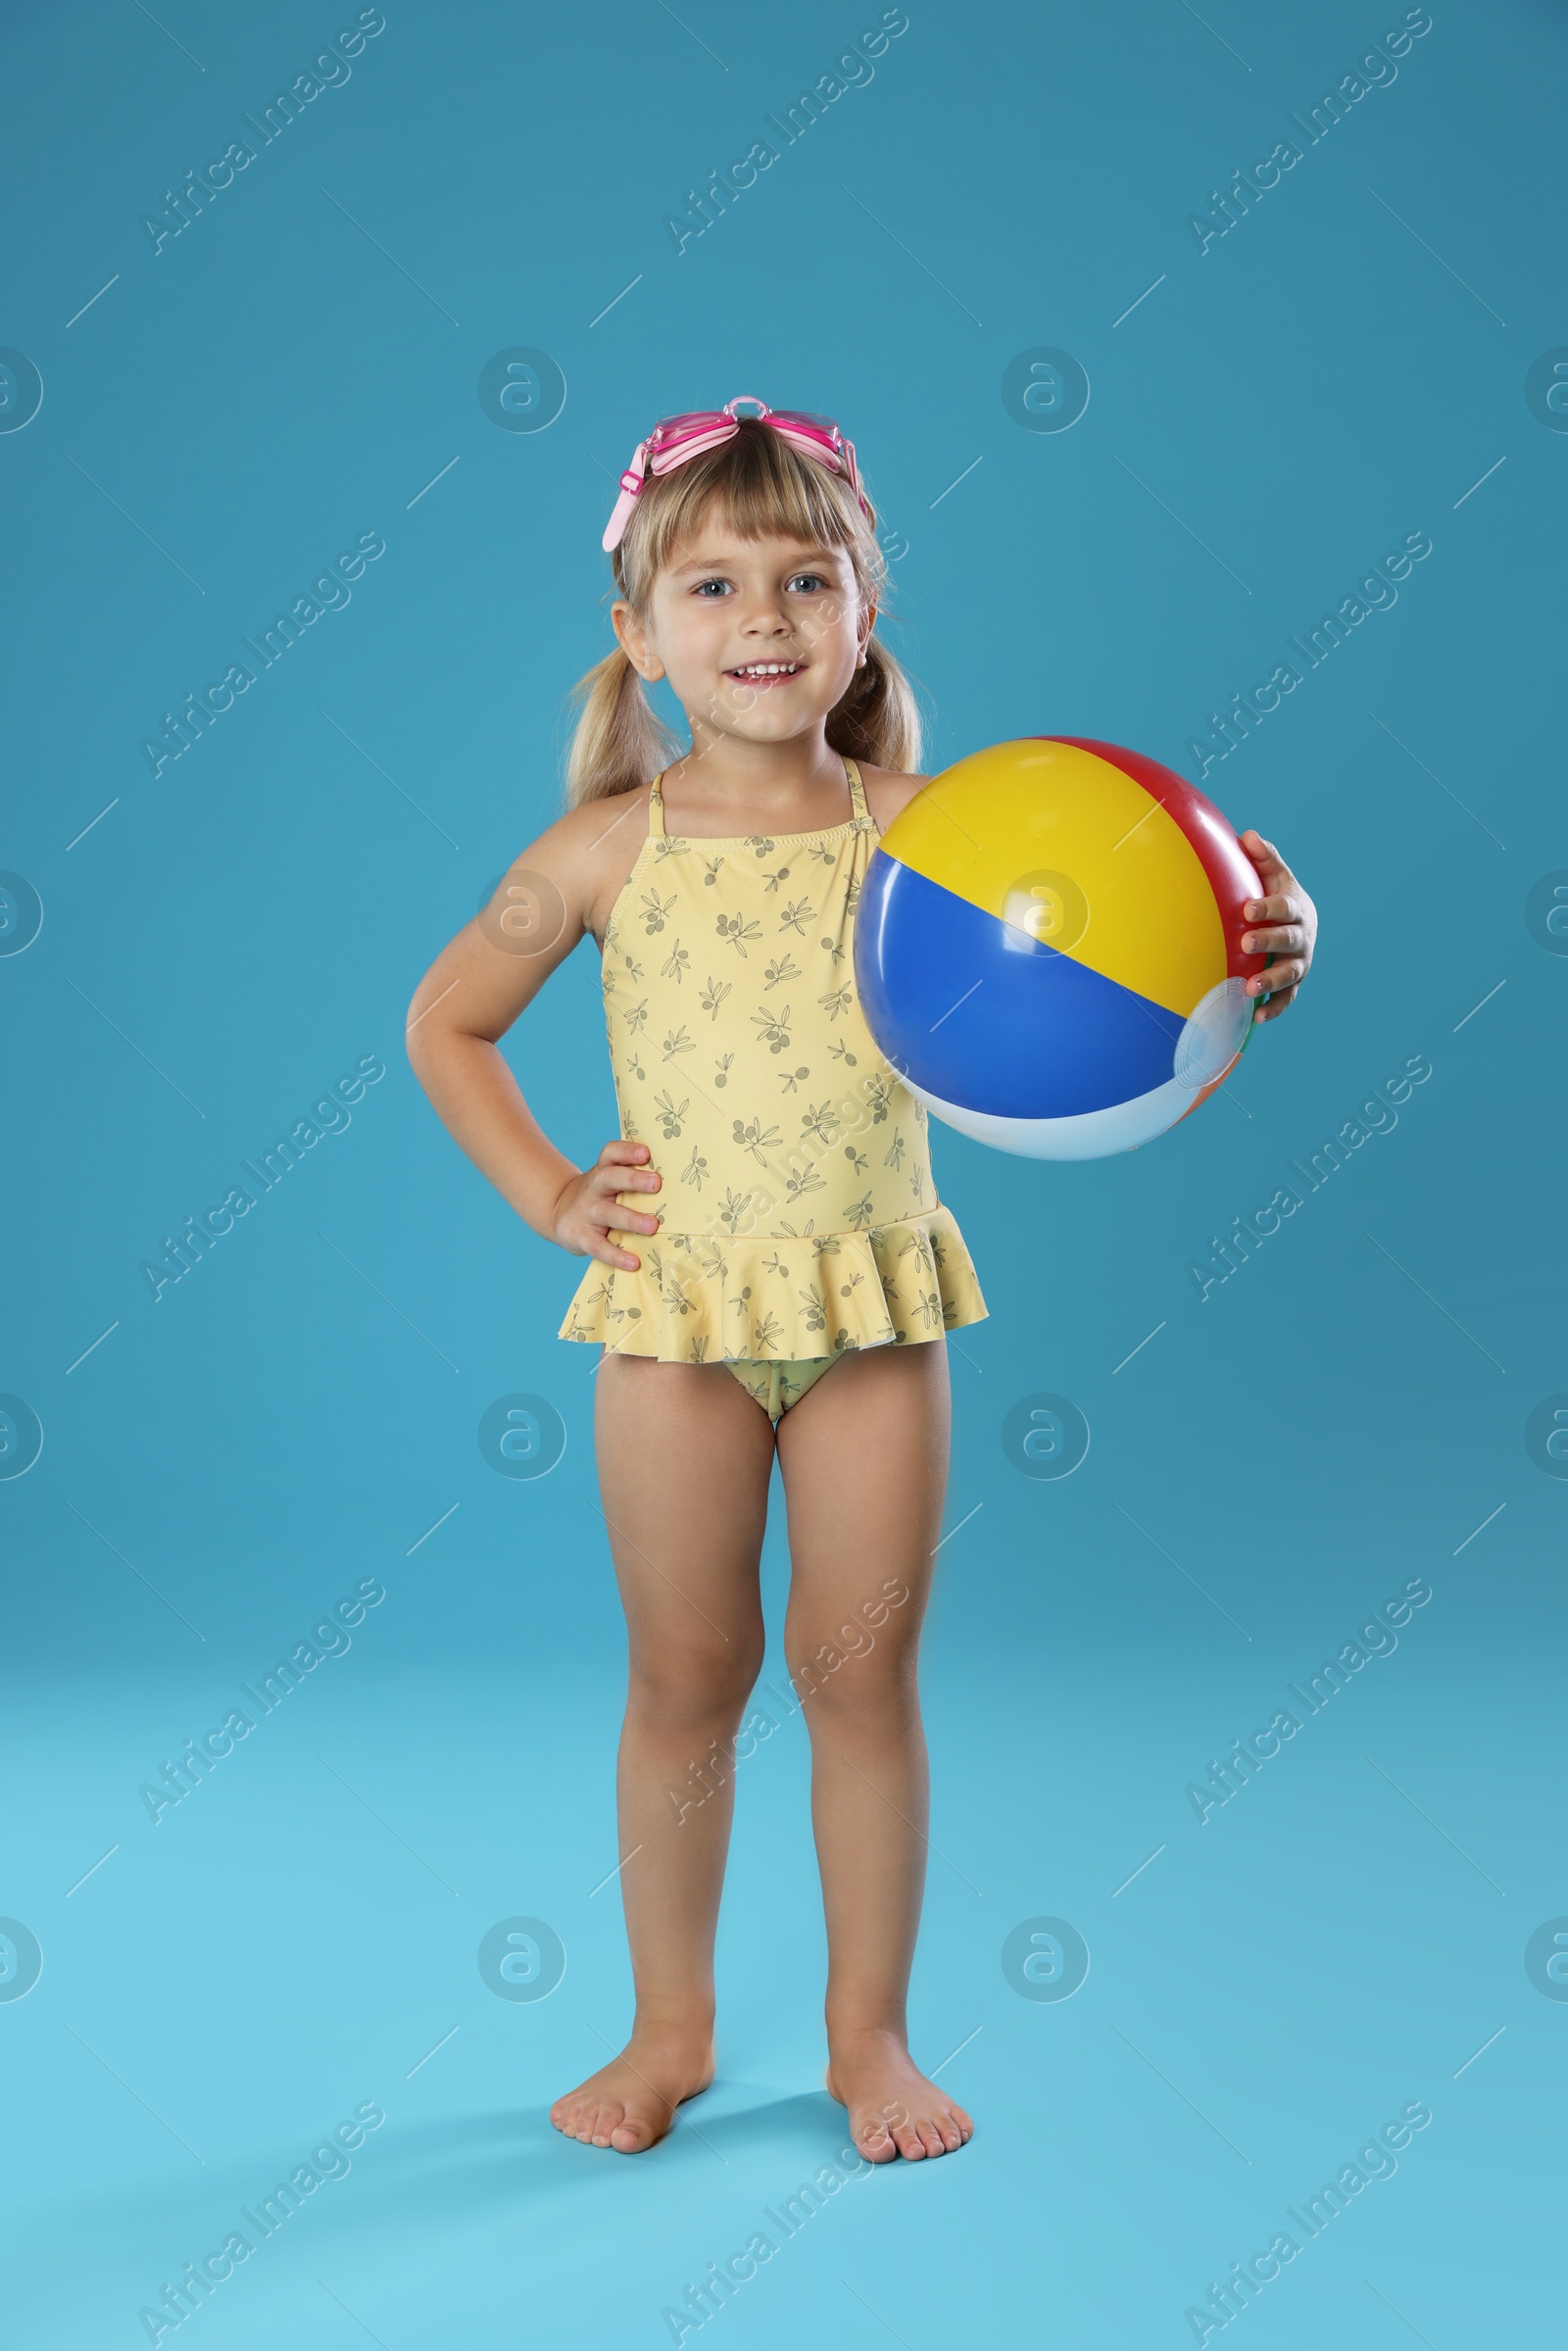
[{"x": 767, "y": 676}]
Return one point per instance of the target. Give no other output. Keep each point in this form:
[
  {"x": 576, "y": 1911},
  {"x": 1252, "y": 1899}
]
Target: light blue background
[{"x": 296, "y": 1414}]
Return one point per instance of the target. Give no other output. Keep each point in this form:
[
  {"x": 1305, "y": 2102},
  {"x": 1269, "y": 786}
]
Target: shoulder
[
  {"x": 602, "y": 830},
  {"x": 888, "y": 792},
  {"x": 604, "y": 837},
  {"x": 587, "y": 854}
]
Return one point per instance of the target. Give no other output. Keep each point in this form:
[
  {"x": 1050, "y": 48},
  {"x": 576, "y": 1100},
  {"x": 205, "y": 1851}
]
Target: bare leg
[
  {"x": 864, "y": 1460},
  {"x": 684, "y": 1460}
]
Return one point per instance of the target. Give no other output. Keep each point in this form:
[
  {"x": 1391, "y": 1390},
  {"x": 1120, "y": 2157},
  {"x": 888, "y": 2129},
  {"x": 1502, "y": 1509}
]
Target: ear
[
  {"x": 635, "y": 642},
  {"x": 867, "y": 625}
]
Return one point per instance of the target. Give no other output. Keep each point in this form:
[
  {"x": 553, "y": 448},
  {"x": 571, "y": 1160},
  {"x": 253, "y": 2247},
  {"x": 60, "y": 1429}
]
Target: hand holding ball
[{"x": 1047, "y": 948}]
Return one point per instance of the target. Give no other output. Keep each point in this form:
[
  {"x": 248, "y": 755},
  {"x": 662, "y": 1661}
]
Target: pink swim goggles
[{"x": 676, "y": 440}]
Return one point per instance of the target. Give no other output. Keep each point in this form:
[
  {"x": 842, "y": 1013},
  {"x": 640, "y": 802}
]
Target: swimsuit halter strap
[{"x": 656, "y": 798}]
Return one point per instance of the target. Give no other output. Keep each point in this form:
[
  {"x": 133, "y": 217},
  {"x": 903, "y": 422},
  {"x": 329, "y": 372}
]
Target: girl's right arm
[{"x": 469, "y": 997}]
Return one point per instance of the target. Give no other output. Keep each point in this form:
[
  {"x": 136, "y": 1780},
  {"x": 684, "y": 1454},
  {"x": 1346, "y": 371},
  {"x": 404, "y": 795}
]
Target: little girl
[{"x": 776, "y": 1179}]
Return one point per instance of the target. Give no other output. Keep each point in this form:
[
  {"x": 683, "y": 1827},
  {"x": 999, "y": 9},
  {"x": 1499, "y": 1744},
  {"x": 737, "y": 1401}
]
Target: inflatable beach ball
[{"x": 1047, "y": 948}]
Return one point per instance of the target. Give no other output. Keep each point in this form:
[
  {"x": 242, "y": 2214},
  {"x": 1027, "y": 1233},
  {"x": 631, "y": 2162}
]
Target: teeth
[{"x": 768, "y": 669}]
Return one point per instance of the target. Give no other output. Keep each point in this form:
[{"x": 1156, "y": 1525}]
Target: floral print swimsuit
[{"x": 798, "y": 1217}]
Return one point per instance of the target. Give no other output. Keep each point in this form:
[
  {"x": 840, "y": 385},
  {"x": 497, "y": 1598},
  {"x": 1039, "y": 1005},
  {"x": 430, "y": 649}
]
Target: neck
[{"x": 761, "y": 787}]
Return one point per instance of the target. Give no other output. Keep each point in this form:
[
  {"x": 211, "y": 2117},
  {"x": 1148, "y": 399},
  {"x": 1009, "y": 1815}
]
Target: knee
[
  {"x": 848, "y": 1687},
  {"x": 699, "y": 1679}
]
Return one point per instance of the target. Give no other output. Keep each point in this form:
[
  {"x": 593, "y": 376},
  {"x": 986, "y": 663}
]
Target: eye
[
  {"x": 804, "y": 582},
  {"x": 720, "y": 587}
]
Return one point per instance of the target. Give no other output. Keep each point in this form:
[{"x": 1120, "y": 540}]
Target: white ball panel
[{"x": 1090, "y": 1135}]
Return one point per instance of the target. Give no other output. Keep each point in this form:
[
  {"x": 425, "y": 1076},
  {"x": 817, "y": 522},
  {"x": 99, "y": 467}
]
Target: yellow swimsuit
[{"x": 797, "y": 1216}]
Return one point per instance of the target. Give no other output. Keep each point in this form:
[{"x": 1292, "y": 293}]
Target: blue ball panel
[{"x": 973, "y": 1010}]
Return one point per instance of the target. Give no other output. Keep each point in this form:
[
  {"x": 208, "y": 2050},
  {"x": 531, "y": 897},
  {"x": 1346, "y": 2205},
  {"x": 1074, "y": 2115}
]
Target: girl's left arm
[{"x": 1287, "y": 930}]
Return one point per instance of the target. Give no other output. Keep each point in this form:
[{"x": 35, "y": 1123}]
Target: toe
[
  {"x": 876, "y": 2143},
  {"x": 606, "y": 2122},
  {"x": 951, "y": 2135},
  {"x": 911, "y": 2145},
  {"x": 930, "y": 2137},
  {"x": 632, "y": 2137}
]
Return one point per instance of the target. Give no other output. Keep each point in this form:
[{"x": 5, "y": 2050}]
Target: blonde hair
[{"x": 761, "y": 488}]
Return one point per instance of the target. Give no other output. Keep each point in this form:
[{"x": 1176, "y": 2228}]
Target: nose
[{"x": 763, "y": 615}]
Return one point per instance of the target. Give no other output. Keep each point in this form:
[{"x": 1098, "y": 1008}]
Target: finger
[
  {"x": 1278, "y": 907},
  {"x": 1265, "y": 856},
  {"x": 620, "y": 1151},
  {"x": 607, "y": 1254},
  {"x": 1278, "y": 977},
  {"x": 608, "y": 1238},
  {"x": 617, "y": 1178},
  {"x": 608, "y": 1216},
  {"x": 1274, "y": 1006},
  {"x": 1288, "y": 940}
]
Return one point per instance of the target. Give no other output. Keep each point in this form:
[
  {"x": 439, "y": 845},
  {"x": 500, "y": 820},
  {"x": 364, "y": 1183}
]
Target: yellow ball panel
[{"x": 1065, "y": 847}]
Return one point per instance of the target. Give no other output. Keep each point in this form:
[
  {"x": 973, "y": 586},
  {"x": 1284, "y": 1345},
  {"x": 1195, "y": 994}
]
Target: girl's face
[{"x": 760, "y": 638}]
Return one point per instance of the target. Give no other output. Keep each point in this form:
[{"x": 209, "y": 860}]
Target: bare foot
[
  {"x": 894, "y": 2110},
  {"x": 630, "y": 2103}
]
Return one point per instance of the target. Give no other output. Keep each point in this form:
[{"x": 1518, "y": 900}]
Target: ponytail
[
  {"x": 878, "y": 719},
  {"x": 619, "y": 742}
]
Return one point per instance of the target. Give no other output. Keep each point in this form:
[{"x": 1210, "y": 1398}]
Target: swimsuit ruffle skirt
[{"x": 798, "y": 1217}]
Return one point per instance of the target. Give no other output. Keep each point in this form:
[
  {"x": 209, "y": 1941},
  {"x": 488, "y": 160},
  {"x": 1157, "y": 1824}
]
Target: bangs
[{"x": 757, "y": 486}]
